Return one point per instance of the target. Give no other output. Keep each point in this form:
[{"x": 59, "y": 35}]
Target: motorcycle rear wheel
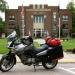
[
  {"x": 50, "y": 64},
  {"x": 5, "y": 64}
]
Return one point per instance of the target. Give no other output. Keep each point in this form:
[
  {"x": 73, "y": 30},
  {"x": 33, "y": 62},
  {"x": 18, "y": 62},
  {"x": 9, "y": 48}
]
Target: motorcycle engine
[{"x": 28, "y": 61}]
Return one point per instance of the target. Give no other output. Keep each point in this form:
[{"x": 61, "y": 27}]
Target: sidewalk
[{"x": 68, "y": 58}]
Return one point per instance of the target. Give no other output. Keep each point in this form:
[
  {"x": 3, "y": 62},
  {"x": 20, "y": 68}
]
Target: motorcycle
[{"x": 28, "y": 54}]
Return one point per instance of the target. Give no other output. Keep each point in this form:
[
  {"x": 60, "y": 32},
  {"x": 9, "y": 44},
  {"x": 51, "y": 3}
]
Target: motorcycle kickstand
[{"x": 34, "y": 67}]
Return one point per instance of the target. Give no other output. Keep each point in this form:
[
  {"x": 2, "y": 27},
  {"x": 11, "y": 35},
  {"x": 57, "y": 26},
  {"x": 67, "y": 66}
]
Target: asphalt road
[{"x": 61, "y": 69}]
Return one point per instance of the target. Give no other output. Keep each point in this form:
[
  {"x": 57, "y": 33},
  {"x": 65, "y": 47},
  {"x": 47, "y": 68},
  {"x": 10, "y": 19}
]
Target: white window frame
[
  {"x": 65, "y": 17},
  {"x": 54, "y": 16},
  {"x": 38, "y": 19}
]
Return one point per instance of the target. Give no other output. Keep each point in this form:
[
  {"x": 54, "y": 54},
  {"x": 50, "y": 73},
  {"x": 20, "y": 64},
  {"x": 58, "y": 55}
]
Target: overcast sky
[{"x": 13, "y": 4}]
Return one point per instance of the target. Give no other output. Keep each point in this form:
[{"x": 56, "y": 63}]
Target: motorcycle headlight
[{"x": 8, "y": 44}]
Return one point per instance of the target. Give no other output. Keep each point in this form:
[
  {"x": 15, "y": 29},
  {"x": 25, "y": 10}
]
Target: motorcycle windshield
[{"x": 11, "y": 36}]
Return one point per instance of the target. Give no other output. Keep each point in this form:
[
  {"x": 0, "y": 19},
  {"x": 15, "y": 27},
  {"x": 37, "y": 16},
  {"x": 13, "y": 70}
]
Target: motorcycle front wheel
[
  {"x": 50, "y": 64},
  {"x": 6, "y": 64}
]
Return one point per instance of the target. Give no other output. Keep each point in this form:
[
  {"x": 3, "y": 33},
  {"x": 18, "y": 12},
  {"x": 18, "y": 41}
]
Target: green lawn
[
  {"x": 70, "y": 44},
  {"x": 66, "y": 45},
  {"x": 3, "y": 48}
]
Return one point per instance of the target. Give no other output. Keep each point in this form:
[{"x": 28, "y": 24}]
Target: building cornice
[{"x": 38, "y": 9}]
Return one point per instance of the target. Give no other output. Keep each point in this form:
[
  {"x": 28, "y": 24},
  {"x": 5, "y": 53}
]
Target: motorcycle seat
[{"x": 42, "y": 48}]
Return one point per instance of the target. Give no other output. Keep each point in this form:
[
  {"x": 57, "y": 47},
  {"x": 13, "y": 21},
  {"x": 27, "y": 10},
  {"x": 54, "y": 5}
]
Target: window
[
  {"x": 42, "y": 6},
  {"x": 11, "y": 17},
  {"x": 11, "y": 27},
  {"x": 65, "y": 18},
  {"x": 33, "y": 6},
  {"x": 11, "y": 23},
  {"x": 38, "y": 6},
  {"x": 38, "y": 19},
  {"x": 65, "y": 26},
  {"x": 54, "y": 27},
  {"x": 54, "y": 16},
  {"x": 65, "y": 30}
]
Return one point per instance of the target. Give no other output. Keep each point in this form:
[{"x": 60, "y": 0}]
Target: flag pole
[
  {"x": 59, "y": 22},
  {"x": 59, "y": 28},
  {"x": 23, "y": 25}
]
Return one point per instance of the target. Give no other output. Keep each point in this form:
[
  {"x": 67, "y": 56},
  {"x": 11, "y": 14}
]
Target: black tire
[
  {"x": 6, "y": 63},
  {"x": 50, "y": 64}
]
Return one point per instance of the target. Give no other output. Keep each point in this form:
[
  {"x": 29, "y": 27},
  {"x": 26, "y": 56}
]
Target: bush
[{"x": 73, "y": 50}]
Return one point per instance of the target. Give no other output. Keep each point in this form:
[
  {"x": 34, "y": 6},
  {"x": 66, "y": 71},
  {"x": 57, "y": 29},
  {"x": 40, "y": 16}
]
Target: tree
[
  {"x": 1, "y": 25},
  {"x": 3, "y": 6},
  {"x": 71, "y": 7}
]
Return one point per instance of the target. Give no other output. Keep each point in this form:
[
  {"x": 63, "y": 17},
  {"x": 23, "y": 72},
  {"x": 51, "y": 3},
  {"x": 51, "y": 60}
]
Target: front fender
[
  {"x": 14, "y": 60},
  {"x": 10, "y": 56}
]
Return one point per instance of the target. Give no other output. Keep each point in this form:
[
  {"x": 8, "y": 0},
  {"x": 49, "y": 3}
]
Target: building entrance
[{"x": 39, "y": 33}]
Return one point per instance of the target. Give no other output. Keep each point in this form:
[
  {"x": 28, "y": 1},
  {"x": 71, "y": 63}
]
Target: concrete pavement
[{"x": 60, "y": 69}]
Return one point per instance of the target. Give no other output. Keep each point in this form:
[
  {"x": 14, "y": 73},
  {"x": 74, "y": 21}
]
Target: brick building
[{"x": 39, "y": 20}]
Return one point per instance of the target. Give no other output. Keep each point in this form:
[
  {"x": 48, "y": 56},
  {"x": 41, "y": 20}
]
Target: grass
[
  {"x": 3, "y": 48},
  {"x": 36, "y": 44},
  {"x": 70, "y": 44}
]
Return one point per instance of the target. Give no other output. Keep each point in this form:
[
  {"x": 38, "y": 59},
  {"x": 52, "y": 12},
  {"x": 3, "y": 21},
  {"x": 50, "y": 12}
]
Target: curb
[{"x": 67, "y": 61}]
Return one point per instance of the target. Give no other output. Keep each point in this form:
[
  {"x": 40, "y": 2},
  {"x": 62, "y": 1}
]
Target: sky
[{"x": 13, "y": 4}]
